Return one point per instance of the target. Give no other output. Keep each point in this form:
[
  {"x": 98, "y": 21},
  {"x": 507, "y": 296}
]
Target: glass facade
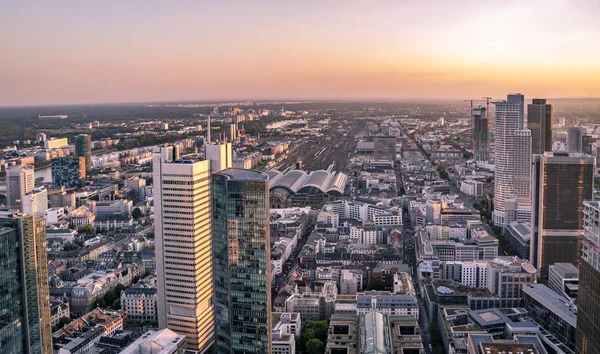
[
  {"x": 539, "y": 121},
  {"x": 24, "y": 293},
  {"x": 588, "y": 301},
  {"x": 241, "y": 261},
  {"x": 560, "y": 209},
  {"x": 83, "y": 148}
]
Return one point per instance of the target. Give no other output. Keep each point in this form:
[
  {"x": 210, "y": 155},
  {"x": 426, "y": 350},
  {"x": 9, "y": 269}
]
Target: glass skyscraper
[
  {"x": 83, "y": 148},
  {"x": 24, "y": 293},
  {"x": 241, "y": 256}
]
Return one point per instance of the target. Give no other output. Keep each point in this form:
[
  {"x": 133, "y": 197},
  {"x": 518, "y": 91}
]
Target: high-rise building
[
  {"x": 25, "y": 306},
  {"x": 574, "y": 139},
  {"x": 588, "y": 302},
  {"x": 561, "y": 183},
  {"x": 540, "y": 117},
  {"x": 19, "y": 181},
  {"x": 184, "y": 265},
  {"x": 508, "y": 147},
  {"x": 522, "y": 166},
  {"x": 69, "y": 171},
  {"x": 83, "y": 148},
  {"x": 219, "y": 156},
  {"x": 36, "y": 202},
  {"x": 241, "y": 253},
  {"x": 480, "y": 134}
]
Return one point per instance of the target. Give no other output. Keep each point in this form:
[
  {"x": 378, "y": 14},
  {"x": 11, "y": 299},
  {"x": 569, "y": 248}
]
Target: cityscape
[{"x": 261, "y": 200}]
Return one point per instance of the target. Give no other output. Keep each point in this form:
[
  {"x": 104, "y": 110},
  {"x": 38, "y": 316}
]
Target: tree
[
  {"x": 63, "y": 322},
  {"x": 87, "y": 230},
  {"x": 315, "y": 346},
  {"x": 137, "y": 213}
]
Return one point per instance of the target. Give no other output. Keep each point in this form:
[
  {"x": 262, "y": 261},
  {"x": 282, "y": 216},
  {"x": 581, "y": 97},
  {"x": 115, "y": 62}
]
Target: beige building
[{"x": 184, "y": 268}]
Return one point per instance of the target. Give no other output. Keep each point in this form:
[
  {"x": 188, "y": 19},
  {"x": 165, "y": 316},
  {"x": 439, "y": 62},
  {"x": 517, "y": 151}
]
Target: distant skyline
[{"x": 74, "y": 52}]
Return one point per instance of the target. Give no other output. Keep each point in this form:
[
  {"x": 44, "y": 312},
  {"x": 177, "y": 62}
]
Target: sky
[{"x": 77, "y": 52}]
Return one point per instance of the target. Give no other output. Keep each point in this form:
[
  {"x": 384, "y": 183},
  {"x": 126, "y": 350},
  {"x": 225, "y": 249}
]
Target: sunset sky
[{"x": 69, "y": 52}]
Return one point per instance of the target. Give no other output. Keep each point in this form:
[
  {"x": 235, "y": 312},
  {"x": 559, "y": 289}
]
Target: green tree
[
  {"x": 137, "y": 213},
  {"x": 87, "y": 230},
  {"x": 315, "y": 346},
  {"x": 63, "y": 322}
]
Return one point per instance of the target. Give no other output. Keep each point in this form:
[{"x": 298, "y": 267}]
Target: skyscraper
[
  {"x": 588, "y": 302},
  {"x": 509, "y": 147},
  {"x": 25, "y": 300},
  {"x": 560, "y": 185},
  {"x": 19, "y": 181},
  {"x": 83, "y": 148},
  {"x": 36, "y": 202},
  {"x": 540, "y": 117},
  {"x": 184, "y": 265},
  {"x": 574, "y": 139},
  {"x": 480, "y": 134},
  {"x": 242, "y": 261}
]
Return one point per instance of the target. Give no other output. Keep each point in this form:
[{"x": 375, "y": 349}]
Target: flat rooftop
[
  {"x": 244, "y": 175},
  {"x": 555, "y": 302}
]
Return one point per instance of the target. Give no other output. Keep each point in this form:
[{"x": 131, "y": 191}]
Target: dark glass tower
[
  {"x": 540, "y": 116},
  {"x": 241, "y": 259},
  {"x": 24, "y": 292},
  {"x": 588, "y": 301},
  {"x": 561, "y": 183},
  {"x": 83, "y": 148},
  {"x": 480, "y": 134}
]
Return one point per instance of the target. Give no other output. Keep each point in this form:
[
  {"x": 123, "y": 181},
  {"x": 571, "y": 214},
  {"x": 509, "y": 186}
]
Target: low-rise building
[
  {"x": 564, "y": 279},
  {"x": 286, "y": 328},
  {"x": 140, "y": 303},
  {"x": 163, "y": 341}
]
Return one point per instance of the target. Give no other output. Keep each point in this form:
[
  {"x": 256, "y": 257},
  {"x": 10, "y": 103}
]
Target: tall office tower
[
  {"x": 241, "y": 254},
  {"x": 69, "y": 171},
  {"x": 560, "y": 185},
  {"x": 574, "y": 139},
  {"x": 25, "y": 306},
  {"x": 480, "y": 134},
  {"x": 540, "y": 116},
  {"x": 588, "y": 302},
  {"x": 508, "y": 119},
  {"x": 219, "y": 156},
  {"x": 36, "y": 202},
  {"x": 184, "y": 265},
  {"x": 19, "y": 181},
  {"x": 522, "y": 162},
  {"x": 83, "y": 148}
]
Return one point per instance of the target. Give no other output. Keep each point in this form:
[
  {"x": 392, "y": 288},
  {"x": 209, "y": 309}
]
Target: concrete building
[
  {"x": 480, "y": 134},
  {"x": 241, "y": 256},
  {"x": 472, "y": 188},
  {"x": 19, "y": 182},
  {"x": 36, "y": 202},
  {"x": 518, "y": 235},
  {"x": 509, "y": 118},
  {"x": 54, "y": 143},
  {"x": 588, "y": 323},
  {"x": 140, "y": 303},
  {"x": 313, "y": 304},
  {"x": 219, "y": 156},
  {"x": 506, "y": 277},
  {"x": 540, "y": 117},
  {"x": 286, "y": 328},
  {"x": 564, "y": 279},
  {"x": 182, "y": 209},
  {"x": 552, "y": 311},
  {"x": 69, "y": 171},
  {"x": 163, "y": 341},
  {"x": 560, "y": 184}
]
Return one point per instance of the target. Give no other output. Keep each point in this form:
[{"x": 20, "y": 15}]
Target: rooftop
[
  {"x": 239, "y": 174},
  {"x": 555, "y": 302}
]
